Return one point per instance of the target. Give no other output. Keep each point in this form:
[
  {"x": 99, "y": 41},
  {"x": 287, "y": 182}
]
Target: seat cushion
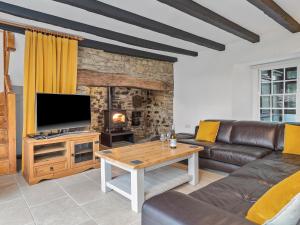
[
  {"x": 259, "y": 134},
  {"x": 237, "y": 154}
]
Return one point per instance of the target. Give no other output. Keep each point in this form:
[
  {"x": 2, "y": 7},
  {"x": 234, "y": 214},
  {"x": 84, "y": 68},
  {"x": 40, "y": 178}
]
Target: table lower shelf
[{"x": 155, "y": 181}]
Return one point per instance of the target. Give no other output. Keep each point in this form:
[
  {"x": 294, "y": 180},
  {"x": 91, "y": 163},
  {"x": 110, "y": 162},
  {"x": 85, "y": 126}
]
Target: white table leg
[
  {"x": 137, "y": 190},
  {"x": 105, "y": 175},
  {"x": 193, "y": 169}
]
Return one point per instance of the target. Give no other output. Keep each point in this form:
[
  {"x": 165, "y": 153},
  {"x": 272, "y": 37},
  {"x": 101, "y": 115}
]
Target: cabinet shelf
[
  {"x": 84, "y": 151},
  {"x": 49, "y": 149},
  {"x": 53, "y": 158}
]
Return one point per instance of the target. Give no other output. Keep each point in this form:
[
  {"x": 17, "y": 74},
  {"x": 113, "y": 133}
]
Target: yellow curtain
[{"x": 50, "y": 66}]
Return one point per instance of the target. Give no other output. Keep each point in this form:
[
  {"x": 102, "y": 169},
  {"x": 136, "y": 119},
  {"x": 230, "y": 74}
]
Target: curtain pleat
[{"x": 50, "y": 66}]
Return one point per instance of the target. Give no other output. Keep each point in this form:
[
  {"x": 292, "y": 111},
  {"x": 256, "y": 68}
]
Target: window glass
[{"x": 278, "y": 94}]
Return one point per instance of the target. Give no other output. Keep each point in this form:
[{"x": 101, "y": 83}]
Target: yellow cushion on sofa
[
  {"x": 208, "y": 131},
  {"x": 291, "y": 139},
  {"x": 274, "y": 199}
]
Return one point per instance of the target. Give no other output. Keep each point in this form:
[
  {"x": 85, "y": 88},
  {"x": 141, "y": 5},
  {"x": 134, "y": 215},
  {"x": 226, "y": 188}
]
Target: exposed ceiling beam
[
  {"x": 104, "y": 46},
  {"x": 196, "y": 10},
  {"x": 69, "y": 24},
  {"x": 273, "y": 10},
  {"x": 101, "y": 8}
]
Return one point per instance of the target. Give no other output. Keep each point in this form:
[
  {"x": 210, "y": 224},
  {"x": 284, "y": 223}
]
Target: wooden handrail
[{"x": 7, "y": 84}]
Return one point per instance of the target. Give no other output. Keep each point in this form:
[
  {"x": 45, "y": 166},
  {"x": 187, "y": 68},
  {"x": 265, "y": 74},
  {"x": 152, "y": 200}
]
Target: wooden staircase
[{"x": 7, "y": 117}]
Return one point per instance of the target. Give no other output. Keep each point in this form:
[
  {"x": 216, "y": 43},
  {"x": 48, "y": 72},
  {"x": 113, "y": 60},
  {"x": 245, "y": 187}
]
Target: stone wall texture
[{"x": 156, "y": 106}]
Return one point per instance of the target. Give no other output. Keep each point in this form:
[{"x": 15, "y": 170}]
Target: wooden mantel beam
[
  {"x": 273, "y": 10},
  {"x": 100, "y": 79}
]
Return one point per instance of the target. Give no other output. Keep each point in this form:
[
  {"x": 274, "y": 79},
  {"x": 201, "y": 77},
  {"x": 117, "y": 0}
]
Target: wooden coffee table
[{"x": 148, "y": 169}]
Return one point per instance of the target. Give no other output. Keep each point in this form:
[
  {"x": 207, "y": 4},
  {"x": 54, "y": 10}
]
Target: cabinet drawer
[{"x": 50, "y": 168}]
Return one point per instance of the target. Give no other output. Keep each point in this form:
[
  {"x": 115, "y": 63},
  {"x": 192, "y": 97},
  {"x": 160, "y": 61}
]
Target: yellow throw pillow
[
  {"x": 208, "y": 131},
  {"x": 291, "y": 139},
  {"x": 274, "y": 199}
]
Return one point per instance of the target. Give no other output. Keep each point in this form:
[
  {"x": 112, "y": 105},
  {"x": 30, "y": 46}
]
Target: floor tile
[
  {"x": 7, "y": 179},
  {"x": 94, "y": 175},
  {"x": 111, "y": 210},
  {"x": 72, "y": 180},
  {"x": 42, "y": 193},
  {"x": 9, "y": 189},
  {"x": 63, "y": 211},
  {"x": 15, "y": 212},
  {"x": 21, "y": 180},
  {"x": 81, "y": 188},
  {"x": 90, "y": 222},
  {"x": 84, "y": 191}
]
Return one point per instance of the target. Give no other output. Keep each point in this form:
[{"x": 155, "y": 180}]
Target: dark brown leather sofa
[
  {"x": 253, "y": 151},
  {"x": 238, "y": 143}
]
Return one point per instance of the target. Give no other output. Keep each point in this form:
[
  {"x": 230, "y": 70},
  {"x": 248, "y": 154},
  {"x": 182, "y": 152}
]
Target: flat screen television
[{"x": 61, "y": 111}]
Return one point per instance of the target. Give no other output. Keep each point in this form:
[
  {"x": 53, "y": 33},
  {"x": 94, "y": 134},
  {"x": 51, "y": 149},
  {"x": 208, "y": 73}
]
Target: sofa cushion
[
  {"x": 208, "y": 131},
  {"x": 279, "y": 142},
  {"x": 224, "y": 132},
  {"x": 254, "y": 133},
  {"x": 275, "y": 199},
  {"x": 291, "y": 139},
  {"x": 241, "y": 189},
  {"x": 237, "y": 154},
  {"x": 179, "y": 209},
  {"x": 235, "y": 195}
]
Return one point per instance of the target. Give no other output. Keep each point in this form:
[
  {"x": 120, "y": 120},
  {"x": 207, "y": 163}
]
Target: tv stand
[
  {"x": 107, "y": 138},
  {"x": 60, "y": 156}
]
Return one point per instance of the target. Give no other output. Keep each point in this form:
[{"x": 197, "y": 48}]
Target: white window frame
[{"x": 272, "y": 66}]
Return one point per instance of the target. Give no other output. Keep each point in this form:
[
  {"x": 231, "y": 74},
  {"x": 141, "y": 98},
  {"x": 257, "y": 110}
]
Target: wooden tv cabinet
[{"x": 60, "y": 156}]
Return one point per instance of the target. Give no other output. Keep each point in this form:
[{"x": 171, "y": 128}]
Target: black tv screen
[{"x": 59, "y": 111}]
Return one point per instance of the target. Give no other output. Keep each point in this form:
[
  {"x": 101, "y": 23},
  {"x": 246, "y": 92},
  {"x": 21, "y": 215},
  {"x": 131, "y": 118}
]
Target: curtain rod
[{"x": 42, "y": 30}]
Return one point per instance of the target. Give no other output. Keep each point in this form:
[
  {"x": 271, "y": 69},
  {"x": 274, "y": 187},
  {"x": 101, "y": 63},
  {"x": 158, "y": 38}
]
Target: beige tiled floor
[{"x": 73, "y": 200}]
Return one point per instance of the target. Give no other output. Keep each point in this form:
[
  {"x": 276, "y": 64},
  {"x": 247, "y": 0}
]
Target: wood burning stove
[{"x": 115, "y": 120}]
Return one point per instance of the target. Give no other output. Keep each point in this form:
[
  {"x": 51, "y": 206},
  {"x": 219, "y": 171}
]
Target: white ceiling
[{"x": 239, "y": 11}]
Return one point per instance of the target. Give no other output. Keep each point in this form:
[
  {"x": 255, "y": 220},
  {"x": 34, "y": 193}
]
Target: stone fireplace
[{"x": 143, "y": 88}]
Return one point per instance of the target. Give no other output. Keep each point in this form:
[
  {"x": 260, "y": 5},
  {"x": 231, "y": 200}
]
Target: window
[{"x": 278, "y": 94}]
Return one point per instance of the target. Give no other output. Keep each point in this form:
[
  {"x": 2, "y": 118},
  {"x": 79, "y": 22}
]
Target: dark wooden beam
[
  {"x": 194, "y": 9},
  {"x": 69, "y": 24},
  {"x": 101, "y": 8},
  {"x": 124, "y": 50},
  {"x": 105, "y": 46},
  {"x": 273, "y": 10}
]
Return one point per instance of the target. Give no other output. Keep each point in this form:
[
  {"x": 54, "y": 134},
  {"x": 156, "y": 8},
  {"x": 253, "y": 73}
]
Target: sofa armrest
[{"x": 179, "y": 209}]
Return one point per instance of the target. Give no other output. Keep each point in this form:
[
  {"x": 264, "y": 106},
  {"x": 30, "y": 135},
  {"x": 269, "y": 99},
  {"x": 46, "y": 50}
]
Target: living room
[{"x": 149, "y": 112}]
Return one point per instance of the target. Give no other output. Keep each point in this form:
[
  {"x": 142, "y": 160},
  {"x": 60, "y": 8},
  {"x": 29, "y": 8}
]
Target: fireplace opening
[
  {"x": 115, "y": 120},
  {"x": 118, "y": 118}
]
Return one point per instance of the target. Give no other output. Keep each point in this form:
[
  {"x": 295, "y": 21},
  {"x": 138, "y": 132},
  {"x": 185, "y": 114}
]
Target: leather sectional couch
[
  {"x": 238, "y": 143},
  {"x": 251, "y": 151}
]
